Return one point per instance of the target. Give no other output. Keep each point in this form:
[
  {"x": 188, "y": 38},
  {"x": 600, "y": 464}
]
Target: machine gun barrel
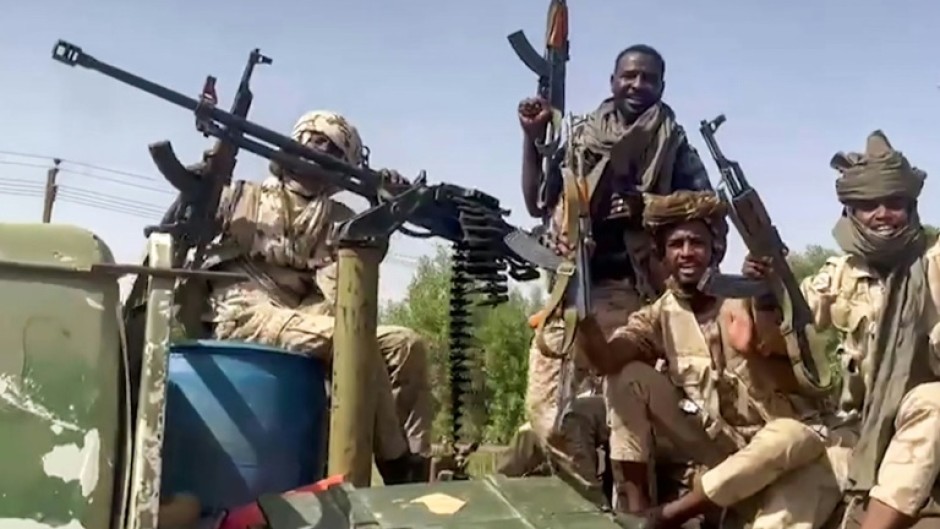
[{"x": 438, "y": 213}]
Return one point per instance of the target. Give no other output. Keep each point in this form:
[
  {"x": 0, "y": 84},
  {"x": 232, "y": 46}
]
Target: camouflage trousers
[
  {"x": 584, "y": 427},
  {"x": 403, "y": 394},
  {"x": 789, "y": 475},
  {"x": 911, "y": 463}
]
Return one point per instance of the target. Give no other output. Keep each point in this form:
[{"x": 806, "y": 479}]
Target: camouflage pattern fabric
[{"x": 282, "y": 233}]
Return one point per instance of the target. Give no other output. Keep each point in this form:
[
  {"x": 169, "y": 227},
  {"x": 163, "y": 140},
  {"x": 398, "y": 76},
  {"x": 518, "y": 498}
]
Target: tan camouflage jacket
[
  {"x": 285, "y": 237},
  {"x": 847, "y": 295},
  {"x": 729, "y": 391}
]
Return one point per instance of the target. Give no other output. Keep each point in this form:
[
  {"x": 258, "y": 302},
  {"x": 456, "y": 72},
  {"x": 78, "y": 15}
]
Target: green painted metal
[
  {"x": 490, "y": 503},
  {"x": 60, "y": 373}
]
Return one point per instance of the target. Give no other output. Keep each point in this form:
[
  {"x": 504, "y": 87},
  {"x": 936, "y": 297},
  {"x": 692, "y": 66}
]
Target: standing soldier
[
  {"x": 883, "y": 296},
  {"x": 629, "y": 146},
  {"x": 278, "y": 232}
]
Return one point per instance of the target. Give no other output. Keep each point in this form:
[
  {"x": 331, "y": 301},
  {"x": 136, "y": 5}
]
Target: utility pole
[{"x": 51, "y": 188}]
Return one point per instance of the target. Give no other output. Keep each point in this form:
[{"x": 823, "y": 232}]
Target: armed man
[
  {"x": 629, "y": 146},
  {"x": 278, "y": 232},
  {"x": 883, "y": 296},
  {"x": 725, "y": 397}
]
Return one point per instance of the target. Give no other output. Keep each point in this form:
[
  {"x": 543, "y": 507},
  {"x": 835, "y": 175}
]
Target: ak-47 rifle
[
  {"x": 749, "y": 216},
  {"x": 550, "y": 69},
  {"x": 467, "y": 217},
  {"x": 200, "y": 185}
]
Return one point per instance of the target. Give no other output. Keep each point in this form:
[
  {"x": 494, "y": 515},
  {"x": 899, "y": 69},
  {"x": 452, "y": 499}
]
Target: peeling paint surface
[
  {"x": 147, "y": 464},
  {"x": 13, "y": 394},
  {"x": 73, "y": 463},
  {"x": 25, "y": 523},
  {"x": 94, "y": 304}
]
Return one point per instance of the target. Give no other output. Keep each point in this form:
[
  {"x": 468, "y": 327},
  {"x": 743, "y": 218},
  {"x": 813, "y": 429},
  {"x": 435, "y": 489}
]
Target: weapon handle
[
  {"x": 169, "y": 165},
  {"x": 527, "y": 54}
]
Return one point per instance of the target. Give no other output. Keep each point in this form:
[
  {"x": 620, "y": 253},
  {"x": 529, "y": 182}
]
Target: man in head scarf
[
  {"x": 883, "y": 296},
  {"x": 279, "y": 233},
  {"x": 630, "y": 145},
  {"x": 724, "y": 400}
]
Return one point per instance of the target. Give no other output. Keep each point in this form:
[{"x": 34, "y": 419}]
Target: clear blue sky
[{"x": 434, "y": 85}]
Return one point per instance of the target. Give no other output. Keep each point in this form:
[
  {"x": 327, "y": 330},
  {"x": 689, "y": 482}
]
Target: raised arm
[
  {"x": 534, "y": 115},
  {"x": 820, "y": 292},
  {"x": 638, "y": 340}
]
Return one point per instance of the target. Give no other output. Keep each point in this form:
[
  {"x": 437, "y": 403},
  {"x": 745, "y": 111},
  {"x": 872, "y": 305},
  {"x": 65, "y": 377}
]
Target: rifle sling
[
  {"x": 573, "y": 202},
  {"x": 815, "y": 380}
]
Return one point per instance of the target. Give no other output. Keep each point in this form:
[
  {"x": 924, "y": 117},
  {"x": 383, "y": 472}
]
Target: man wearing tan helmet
[{"x": 279, "y": 232}]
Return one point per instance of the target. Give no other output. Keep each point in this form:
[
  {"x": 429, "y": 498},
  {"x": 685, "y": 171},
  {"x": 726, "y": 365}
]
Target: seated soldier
[
  {"x": 883, "y": 296},
  {"x": 724, "y": 400},
  {"x": 278, "y": 233}
]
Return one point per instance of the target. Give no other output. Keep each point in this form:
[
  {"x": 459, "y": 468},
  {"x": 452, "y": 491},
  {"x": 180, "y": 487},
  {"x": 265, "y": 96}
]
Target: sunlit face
[
  {"x": 687, "y": 252},
  {"x": 885, "y": 216},
  {"x": 637, "y": 80}
]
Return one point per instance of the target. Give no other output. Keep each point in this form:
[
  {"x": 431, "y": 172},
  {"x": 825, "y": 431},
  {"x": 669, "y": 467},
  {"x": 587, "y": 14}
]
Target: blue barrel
[{"x": 242, "y": 420}]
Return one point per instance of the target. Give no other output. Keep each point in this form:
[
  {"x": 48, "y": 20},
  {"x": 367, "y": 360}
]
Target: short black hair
[{"x": 643, "y": 49}]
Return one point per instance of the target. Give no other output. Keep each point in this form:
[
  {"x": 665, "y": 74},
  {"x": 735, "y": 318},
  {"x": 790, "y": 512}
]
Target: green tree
[
  {"x": 501, "y": 343},
  {"x": 932, "y": 232}
]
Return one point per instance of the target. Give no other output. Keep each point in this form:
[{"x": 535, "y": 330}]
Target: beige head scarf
[
  {"x": 661, "y": 211},
  {"x": 335, "y": 127}
]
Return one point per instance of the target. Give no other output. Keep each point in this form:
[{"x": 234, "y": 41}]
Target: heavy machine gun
[{"x": 487, "y": 249}]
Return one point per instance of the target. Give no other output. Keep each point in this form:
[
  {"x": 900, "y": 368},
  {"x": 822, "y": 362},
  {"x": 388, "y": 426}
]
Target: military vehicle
[
  {"x": 224, "y": 422},
  {"x": 127, "y": 417}
]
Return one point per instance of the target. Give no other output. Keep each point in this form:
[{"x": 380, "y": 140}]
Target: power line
[
  {"x": 80, "y": 164},
  {"x": 110, "y": 202}
]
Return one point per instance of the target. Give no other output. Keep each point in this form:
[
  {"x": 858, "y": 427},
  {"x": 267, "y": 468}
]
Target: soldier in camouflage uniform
[
  {"x": 883, "y": 296},
  {"x": 279, "y": 233},
  {"x": 723, "y": 398},
  {"x": 630, "y": 145}
]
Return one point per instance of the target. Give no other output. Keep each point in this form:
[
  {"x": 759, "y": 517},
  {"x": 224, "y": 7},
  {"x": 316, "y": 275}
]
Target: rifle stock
[{"x": 762, "y": 239}]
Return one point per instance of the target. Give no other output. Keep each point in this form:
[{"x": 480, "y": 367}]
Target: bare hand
[
  {"x": 393, "y": 178},
  {"x": 757, "y": 267},
  {"x": 534, "y": 115},
  {"x": 740, "y": 329},
  {"x": 565, "y": 248}
]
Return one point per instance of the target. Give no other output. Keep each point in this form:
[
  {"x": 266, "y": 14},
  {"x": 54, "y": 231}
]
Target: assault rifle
[
  {"x": 200, "y": 185},
  {"x": 753, "y": 223},
  {"x": 550, "y": 69},
  {"x": 469, "y": 218}
]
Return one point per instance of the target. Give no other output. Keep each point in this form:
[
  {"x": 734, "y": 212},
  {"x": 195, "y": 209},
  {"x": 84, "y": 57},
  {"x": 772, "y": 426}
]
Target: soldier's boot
[
  {"x": 580, "y": 446},
  {"x": 880, "y": 516},
  {"x": 420, "y": 469},
  {"x": 408, "y": 468}
]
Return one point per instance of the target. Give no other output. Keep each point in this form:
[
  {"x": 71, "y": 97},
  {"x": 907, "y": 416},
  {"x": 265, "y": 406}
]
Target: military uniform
[
  {"x": 279, "y": 233},
  {"x": 726, "y": 412},
  {"x": 884, "y": 298},
  {"x": 732, "y": 413},
  {"x": 847, "y": 294},
  {"x": 610, "y": 158}
]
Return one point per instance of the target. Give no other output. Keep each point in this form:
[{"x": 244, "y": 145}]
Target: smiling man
[
  {"x": 883, "y": 296},
  {"x": 725, "y": 400},
  {"x": 629, "y": 146}
]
